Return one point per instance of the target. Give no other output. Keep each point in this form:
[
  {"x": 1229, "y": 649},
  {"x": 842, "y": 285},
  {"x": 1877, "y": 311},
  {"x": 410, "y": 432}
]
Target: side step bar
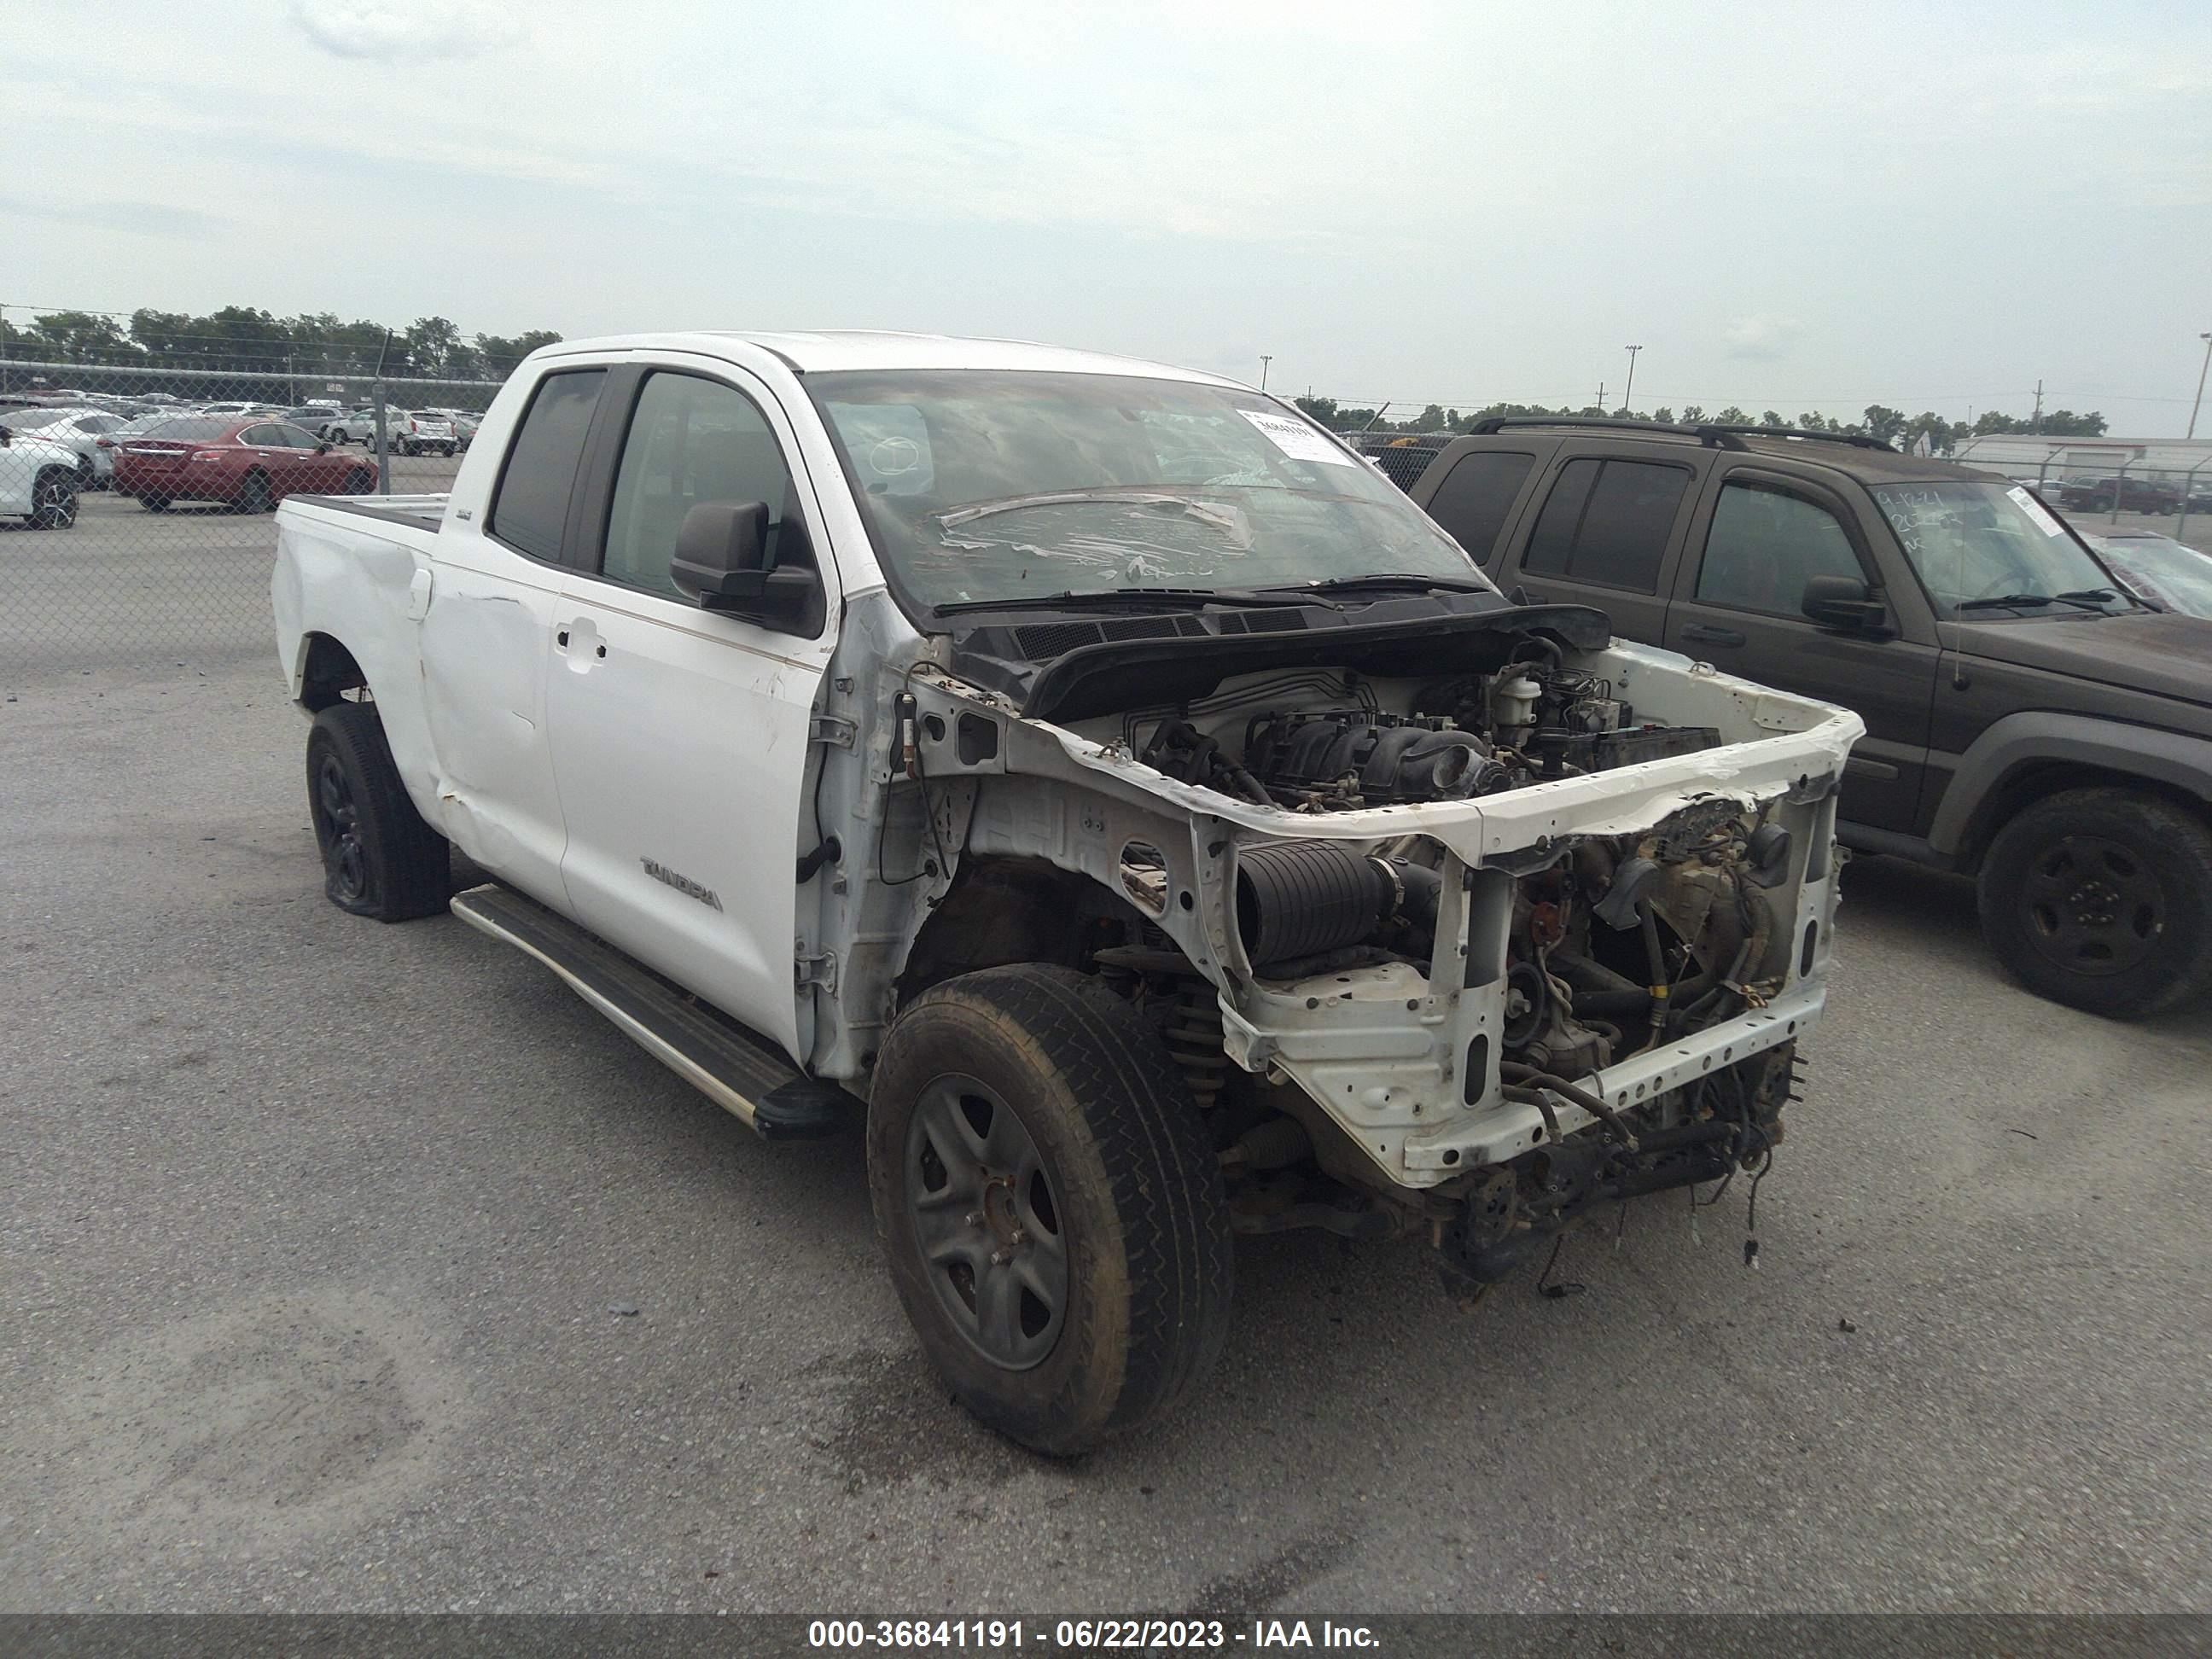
[{"x": 706, "y": 1049}]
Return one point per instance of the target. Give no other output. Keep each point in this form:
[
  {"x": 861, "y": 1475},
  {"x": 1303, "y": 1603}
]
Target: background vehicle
[
  {"x": 38, "y": 480},
  {"x": 77, "y": 430},
  {"x": 315, "y": 417},
  {"x": 2135, "y": 495},
  {"x": 2163, "y": 573},
  {"x": 1105, "y": 774},
  {"x": 2026, "y": 723},
  {"x": 424, "y": 433},
  {"x": 249, "y": 466}
]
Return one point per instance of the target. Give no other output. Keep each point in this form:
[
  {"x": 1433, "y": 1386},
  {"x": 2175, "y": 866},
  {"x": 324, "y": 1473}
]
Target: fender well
[
  {"x": 2025, "y": 756},
  {"x": 1003, "y": 910},
  {"x": 327, "y": 672}
]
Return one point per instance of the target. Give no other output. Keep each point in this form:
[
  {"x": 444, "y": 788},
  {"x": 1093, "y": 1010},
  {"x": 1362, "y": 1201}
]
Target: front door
[
  {"x": 1759, "y": 538},
  {"x": 680, "y": 734}
]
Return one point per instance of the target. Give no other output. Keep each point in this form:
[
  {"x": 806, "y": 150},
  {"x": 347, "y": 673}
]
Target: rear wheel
[
  {"x": 1050, "y": 1206},
  {"x": 357, "y": 481},
  {"x": 379, "y": 859},
  {"x": 2102, "y": 899},
  {"x": 252, "y": 495},
  {"x": 154, "y": 503},
  {"x": 53, "y": 500}
]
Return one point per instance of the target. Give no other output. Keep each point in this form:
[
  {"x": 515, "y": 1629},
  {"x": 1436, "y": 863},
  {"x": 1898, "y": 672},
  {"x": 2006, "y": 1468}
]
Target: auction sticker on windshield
[
  {"x": 1296, "y": 439},
  {"x": 2036, "y": 510}
]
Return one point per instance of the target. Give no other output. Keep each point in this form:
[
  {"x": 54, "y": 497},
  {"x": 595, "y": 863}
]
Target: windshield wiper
[
  {"x": 1126, "y": 599},
  {"x": 2089, "y": 599},
  {"x": 1220, "y": 518},
  {"x": 1401, "y": 580}
]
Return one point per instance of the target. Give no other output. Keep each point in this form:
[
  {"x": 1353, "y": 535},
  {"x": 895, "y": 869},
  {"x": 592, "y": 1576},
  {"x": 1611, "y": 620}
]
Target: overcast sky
[{"x": 1792, "y": 206}]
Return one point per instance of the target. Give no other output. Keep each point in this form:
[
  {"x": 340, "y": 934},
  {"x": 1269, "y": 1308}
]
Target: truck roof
[{"x": 827, "y": 349}]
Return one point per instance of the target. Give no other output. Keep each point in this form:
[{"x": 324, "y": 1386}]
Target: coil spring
[{"x": 1194, "y": 1037}]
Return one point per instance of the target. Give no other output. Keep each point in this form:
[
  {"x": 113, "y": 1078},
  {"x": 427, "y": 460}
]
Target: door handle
[{"x": 1702, "y": 634}]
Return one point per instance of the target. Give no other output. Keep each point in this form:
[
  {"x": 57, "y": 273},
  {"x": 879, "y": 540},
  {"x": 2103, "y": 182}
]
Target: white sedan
[
  {"x": 77, "y": 430},
  {"x": 38, "y": 480}
]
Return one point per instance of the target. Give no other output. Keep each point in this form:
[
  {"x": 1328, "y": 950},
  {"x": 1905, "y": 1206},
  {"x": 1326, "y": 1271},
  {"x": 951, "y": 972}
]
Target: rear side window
[
  {"x": 1766, "y": 545},
  {"x": 1474, "y": 497},
  {"x": 1607, "y": 522},
  {"x": 531, "y": 510}
]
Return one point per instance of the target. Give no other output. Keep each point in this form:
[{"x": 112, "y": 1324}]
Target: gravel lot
[{"x": 313, "y": 1229}]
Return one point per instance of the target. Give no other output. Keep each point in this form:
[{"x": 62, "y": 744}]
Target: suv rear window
[
  {"x": 531, "y": 510},
  {"x": 1476, "y": 494},
  {"x": 1607, "y": 522}
]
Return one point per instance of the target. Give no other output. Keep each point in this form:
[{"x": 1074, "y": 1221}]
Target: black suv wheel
[
  {"x": 1049, "y": 1205},
  {"x": 2102, "y": 899}
]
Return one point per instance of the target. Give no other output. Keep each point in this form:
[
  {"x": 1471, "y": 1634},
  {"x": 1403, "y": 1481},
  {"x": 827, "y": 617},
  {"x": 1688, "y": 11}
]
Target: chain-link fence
[{"x": 135, "y": 505}]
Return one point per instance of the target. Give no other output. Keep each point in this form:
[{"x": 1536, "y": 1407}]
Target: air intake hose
[{"x": 1301, "y": 898}]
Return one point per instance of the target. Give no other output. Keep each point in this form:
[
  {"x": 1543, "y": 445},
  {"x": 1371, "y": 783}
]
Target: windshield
[
  {"x": 986, "y": 486},
  {"x": 1989, "y": 541},
  {"x": 2167, "y": 573}
]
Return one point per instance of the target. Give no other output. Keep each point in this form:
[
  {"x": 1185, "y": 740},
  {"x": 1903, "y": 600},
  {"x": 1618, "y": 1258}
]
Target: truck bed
[{"x": 416, "y": 512}]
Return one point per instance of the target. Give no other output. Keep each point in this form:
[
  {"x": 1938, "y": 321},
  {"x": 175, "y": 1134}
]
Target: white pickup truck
[{"x": 1095, "y": 779}]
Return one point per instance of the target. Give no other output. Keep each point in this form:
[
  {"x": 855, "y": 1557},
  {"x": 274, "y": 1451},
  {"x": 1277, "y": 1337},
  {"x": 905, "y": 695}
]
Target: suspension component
[{"x": 1194, "y": 1039}]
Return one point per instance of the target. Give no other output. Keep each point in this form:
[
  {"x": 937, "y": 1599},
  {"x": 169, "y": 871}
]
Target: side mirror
[
  {"x": 720, "y": 561},
  {"x": 6, "y": 437},
  {"x": 1842, "y": 602},
  {"x": 322, "y": 449}
]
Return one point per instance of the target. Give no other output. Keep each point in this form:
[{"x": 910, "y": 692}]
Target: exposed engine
[{"x": 1526, "y": 723}]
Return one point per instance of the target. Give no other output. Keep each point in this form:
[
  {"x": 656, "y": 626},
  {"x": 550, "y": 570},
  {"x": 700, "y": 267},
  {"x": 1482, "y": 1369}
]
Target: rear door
[
  {"x": 488, "y": 637},
  {"x": 1759, "y": 536},
  {"x": 1603, "y": 536},
  {"x": 1472, "y": 496},
  {"x": 680, "y": 735}
]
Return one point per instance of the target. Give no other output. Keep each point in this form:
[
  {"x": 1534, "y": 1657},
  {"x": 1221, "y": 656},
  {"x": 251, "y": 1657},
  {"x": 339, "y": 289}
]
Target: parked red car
[{"x": 248, "y": 466}]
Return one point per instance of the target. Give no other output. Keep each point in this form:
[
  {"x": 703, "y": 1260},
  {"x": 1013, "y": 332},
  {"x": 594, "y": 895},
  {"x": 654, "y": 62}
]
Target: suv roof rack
[
  {"x": 1716, "y": 437},
  {"x": 1855, "y": 440}
]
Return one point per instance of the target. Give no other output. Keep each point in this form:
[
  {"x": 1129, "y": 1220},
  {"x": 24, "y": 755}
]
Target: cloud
[
  {"x": 141, "y": 218},
  {"x": 1761, "y": 338},
  {"x": 407, "y": 31}
]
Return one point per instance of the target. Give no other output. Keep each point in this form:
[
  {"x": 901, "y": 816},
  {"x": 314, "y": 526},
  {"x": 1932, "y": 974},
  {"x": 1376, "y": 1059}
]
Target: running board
[{"x": 706, "y": 1049}]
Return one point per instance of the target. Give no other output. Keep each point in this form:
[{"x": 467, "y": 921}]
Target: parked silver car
[{"x": 78, "y": 430}]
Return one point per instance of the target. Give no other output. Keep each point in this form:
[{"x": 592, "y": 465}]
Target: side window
[
  {"x": 262, "y": 437},
  {"x": 532, "y": 507},
  {"x": 1606, "y": 522},
  {"x": 293, "y": 437},
  {"x": 1474, "y": 497},
  {"x": 1764, "y": 545},
  {"x": 690, "y": 440}
]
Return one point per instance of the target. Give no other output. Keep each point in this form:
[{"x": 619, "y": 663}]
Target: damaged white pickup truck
[{"x": 1098, "y": 778}]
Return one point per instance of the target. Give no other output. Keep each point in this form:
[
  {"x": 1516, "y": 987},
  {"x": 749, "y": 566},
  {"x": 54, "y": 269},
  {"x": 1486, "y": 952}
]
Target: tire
[
  {"x": 358, "y": 482},
  {"x": 88, "y": 476},
  {"x": 379, "y": 859},
  {"x": 53, "y": 500},
  {"x": 252, "y": 495},
  {"x": 2102, "y": 899},
  {"x": 154, "y": 503},
  {"x": 1105, "y": 1157}
]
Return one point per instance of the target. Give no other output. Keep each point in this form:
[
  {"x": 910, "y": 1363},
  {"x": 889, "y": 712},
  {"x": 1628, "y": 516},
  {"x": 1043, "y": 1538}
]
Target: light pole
[
  {"x": 1265, "y": 359},
  {"x": 1627, "y": 396},
  {"x": 2199, "y": 404}
]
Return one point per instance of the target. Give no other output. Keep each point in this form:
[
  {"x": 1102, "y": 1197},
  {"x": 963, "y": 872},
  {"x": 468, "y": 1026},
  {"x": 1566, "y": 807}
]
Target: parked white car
[
  {"x": 38, "y": 481},
  {"x": 77, "y": 430},
  {"x": 424, "y": 431}
]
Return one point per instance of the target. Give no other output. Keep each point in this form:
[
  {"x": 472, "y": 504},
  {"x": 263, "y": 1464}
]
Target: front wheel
[
  {"x": 358, "y": 482},
  {"x": 53, "y": 501},
  {"x": 1049, "y": 1205},
  {"x": 380, "y": 858},
  {"x": 2102, "y": 899}
]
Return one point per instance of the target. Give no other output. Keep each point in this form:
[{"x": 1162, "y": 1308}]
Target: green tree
[
  {"x": 1692, "y": 414},
  {"x": 1883, "y": 423},
  {"x": 76, "y": 337},
  {"x": 1663, "y": 415}
]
